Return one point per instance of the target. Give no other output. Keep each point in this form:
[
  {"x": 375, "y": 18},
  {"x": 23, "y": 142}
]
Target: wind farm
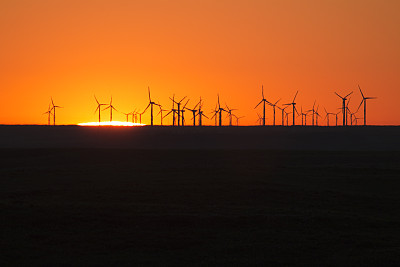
[
  {"x": 215, "y": 117},
  {"x": 199, "y": 133}
]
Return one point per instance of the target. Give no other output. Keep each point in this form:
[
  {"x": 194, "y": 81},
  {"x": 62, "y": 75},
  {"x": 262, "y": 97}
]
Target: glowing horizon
[{"x": 111, "y": 123}]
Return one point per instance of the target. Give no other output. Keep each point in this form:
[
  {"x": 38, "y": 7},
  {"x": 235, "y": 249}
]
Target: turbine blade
[
  {"x": 362, "y": 101},
  {"x": 258, "y": 104},
  {"x": 339, "y": 95},
  {"x": 148, "y": 88},
  {"x": 348, "y": 94},
  {"x": 295, "y": 96},
  {"x": 361, "y": 91}
]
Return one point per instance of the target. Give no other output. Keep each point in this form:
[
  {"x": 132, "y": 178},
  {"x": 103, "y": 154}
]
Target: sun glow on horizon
[{"x": 111, "y": 123}]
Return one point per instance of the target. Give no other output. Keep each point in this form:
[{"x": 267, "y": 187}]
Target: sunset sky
[{"x": 73, "y": 49}]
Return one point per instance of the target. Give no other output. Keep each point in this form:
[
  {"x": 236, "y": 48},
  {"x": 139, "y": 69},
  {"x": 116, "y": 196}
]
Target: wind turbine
[
  {"x": 179, "y": 108},
  {"x": 294, "y": 107},
  {"x": 54, "y": 111},
  {"x": 237, "y": 119},
  {"x": 215, "y": 111},
  {"x": 111, "y": 107},
  {"x": 220, "y": 112},
  {"x": 127, "y": 116},
  {"x": 48, "y": 112},
  {"x": 134, "y": 116},
  {"x": 283, "y": 114},
  {"x": 183, "y": 113},
  {"x": 194, "y": 110},
  {"x": 161, "y": 112},
  {"x": 260, "y": 119},
  {"x": 336, "y": 117},
  {"x": 356, "y": 119},
  {"x": 313, "y": 113},
  {"x": 173, "y": 110},
  {"x": 201, "y": 113},
  {"x": 98, "y": 107},
  {"x": 229, "y": 113},
  {"x": 273, "y": 106},
  {"x": 151, "y": 103},
  {"x": 263, "y": 100},
  {"x": 303, "y": 117},
  {"x": 364, "y": 100},
  {"x": 344, "y": 107},
  {"x": 327, "y": 116},
  {"x": 317, "y": 115}
]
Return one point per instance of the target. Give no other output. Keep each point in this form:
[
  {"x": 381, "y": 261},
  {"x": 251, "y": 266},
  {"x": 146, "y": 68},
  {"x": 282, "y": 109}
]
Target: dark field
[{"x": 199, "y": 207}]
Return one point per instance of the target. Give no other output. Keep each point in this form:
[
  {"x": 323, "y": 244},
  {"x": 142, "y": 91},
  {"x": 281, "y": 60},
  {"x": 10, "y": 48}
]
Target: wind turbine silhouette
[
  {"x": 273, "y": 106},
  {"x": 336, "y": 117},
  {"x": 283, "y": 114},
  {"x": 194, "y": 111},
  {"x": 237, "y": 119},
  {"x": 173, "y": 110},
  {"x": 48, "y": 112},
  {"x": 364, "y": 100},
  {"x": 54, "y": 111},
  {"x": 179, "y": 109},
  {"x": 111, "y": 107},
  {"x": 313, "y": 113},
  {"x": 220, "y": 112},
  {"x": 260, "y": 119},
  {"x": 201, "y": 113},
  {"x": 294, "y": 107},
  {"x": 317, "y": 115},
  {"x": 127, "y": 116},
  {"x": 161, "y": 112},
  {"x": 215, "y": 111},
  {"x": 183, "y": 113},
  {"x": 229, "y": 113},
  {"x": 344, "y": 107},
  {"x": 263, "y": 100},
  {"x": 303, "y": 117},
  {"x": 151, "y": 103},
  {"x": 134, "y": 116},
  {"x": 327, "y": 116},
  {"x": 98, "y": 107}
]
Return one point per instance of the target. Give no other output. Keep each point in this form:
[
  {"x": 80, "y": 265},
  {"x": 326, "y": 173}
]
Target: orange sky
[{"x": 72, "y": 49}]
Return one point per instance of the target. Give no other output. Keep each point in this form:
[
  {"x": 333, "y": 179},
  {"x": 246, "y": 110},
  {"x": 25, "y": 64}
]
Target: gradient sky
[{"x": 73, "y": 49}]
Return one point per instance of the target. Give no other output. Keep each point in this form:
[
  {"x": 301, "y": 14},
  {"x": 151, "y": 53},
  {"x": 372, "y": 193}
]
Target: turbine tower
[
  {"x": 161, "y": 112},
  {"x": 179, "y": 108},
  {"x": 344, "y": 107},
  {"x": 201, "y": 113},
  {"x": 111, "y": 107},
  {"x": 220, "y": 112},
  {"x": 327, "y": 116},
  {"x": 263, "y": 100},
  {"x": 283, "y": 114},
  {"x": 151, "y": 103},
  {"x": 54, "y": 111},
  {"x": 229, "y": 113},
  {"x": 48, "y": 112},
  {"x": 273, "y": 106},
  {"x": 194, "y": 111},
  {"x": 294, "y": 108},
  {"x": 364, "y": 100},
  {"x": 98, "y": 107}
]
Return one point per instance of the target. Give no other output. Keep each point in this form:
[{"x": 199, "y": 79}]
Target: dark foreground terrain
[{"x": 199, "y": 207}]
